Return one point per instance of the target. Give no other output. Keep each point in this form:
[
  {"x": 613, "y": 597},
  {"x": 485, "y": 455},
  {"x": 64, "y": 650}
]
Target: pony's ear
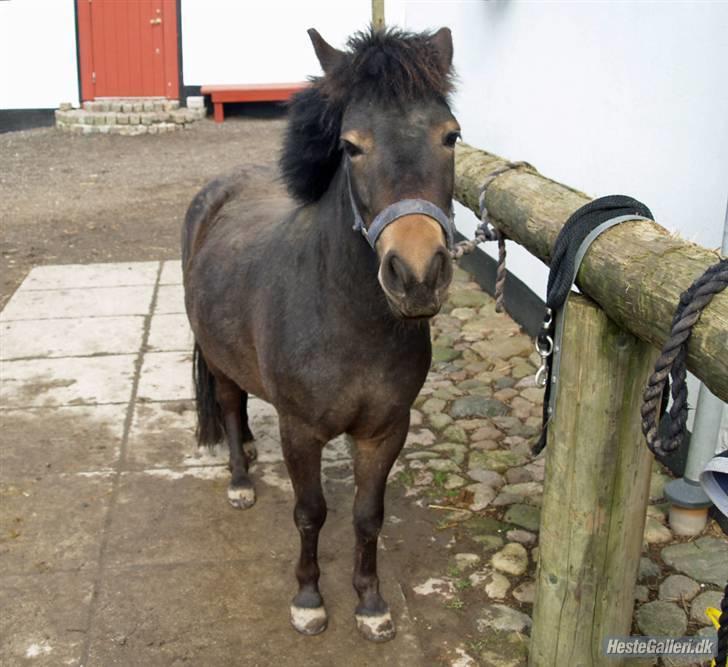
[
  {"x": 442, "y": 41},
  {"x": 327, "y": 55}
]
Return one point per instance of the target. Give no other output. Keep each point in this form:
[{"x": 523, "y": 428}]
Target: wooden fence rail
[{"x": 635, "y": 271}]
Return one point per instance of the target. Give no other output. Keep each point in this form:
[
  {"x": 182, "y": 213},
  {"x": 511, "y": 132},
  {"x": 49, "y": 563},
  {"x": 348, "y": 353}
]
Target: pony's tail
[{"x": 209, "y": 415}]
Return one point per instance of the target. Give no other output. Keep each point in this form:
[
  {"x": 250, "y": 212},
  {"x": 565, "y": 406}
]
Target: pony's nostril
[
  {"x": 439, "y": 272},
  {"x": 395, "y": 274}
]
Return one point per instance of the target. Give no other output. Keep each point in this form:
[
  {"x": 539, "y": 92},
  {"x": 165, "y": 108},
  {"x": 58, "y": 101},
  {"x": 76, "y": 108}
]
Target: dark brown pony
[{"x": 328, "y": 324}]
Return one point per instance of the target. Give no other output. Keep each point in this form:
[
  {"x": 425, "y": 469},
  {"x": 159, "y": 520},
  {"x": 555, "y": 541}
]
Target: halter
[{"x": 398, "y": 210}]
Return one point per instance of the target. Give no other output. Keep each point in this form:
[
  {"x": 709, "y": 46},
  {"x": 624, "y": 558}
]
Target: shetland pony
[{"x": 321, "y": 306}]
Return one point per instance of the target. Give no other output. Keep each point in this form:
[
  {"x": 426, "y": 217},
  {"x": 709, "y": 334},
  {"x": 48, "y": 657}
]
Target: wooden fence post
[
  {"x": 378, "y": 13},
  {"x": 595, "y": 492}
]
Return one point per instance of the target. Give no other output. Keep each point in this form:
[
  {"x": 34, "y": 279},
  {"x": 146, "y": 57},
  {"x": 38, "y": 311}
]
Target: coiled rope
[{"x": 672, "y": 362}]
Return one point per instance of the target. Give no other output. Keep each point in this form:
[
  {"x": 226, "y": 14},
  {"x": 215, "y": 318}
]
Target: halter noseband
[{"x": 398, "y": 210}]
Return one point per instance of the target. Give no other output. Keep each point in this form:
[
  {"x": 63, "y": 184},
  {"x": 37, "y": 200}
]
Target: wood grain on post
[
  {"x": 635, "y": 271},
  {"x": 595, "y": 492}
]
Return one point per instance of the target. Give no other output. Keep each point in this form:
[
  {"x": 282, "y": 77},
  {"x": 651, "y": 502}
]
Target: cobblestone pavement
[{"x": 117, "y": 547}]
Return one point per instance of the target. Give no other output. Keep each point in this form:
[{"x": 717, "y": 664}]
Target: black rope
[
  {"x": 672, "y": 363},
  {"x": 561, "y": 273}
]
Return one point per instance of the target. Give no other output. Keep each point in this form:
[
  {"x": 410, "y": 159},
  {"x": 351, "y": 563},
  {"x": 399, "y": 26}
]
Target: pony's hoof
[
  {"x": 376, "y": 627},
  {"x": 241, "y": 497},
  {"x": 251, "y": 451},
  {"x": 309, "y": 620}
]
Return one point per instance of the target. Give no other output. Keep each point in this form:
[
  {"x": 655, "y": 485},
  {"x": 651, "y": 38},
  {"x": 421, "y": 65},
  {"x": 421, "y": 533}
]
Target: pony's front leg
[
  {"x": 302, "y": 453},
  {"x": 372, "y": 462}
]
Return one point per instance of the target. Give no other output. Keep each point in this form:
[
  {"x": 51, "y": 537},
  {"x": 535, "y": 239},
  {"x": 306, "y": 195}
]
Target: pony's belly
[{"x": 362, "y": 404}]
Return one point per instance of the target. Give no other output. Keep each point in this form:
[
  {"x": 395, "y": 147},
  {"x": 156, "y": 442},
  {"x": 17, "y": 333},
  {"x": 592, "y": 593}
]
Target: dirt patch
[{"x": 101, "y": 198}]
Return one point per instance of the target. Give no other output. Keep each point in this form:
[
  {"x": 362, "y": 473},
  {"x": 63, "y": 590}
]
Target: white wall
[
  {"x": 37, "y": 54},
  {"x": 231, "y": 41},
  {"x": 610, "y": 98},
  {"x": 628, "y": 98}
]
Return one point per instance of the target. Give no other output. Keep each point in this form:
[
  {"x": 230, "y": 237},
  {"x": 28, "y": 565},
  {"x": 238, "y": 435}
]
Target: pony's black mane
[{"x": 385, "y": 65}]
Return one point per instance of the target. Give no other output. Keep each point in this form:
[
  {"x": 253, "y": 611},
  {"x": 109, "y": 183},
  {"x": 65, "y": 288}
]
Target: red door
[{"x": 128, "y": 48}]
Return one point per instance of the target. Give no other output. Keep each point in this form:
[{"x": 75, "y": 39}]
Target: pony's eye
[
  {"x": 451, "y": 138},
  {"x": 352, "y": 150}
]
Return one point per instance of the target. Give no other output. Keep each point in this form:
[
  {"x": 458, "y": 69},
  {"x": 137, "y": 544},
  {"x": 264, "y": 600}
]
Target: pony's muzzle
[{"x": 412, "y": 295}]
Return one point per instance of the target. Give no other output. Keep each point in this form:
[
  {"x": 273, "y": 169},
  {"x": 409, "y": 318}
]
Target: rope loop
[{"x": 487, "y": 231}]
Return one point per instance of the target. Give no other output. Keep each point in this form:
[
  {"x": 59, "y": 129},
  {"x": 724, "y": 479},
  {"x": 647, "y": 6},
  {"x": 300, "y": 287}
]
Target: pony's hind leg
[
  {"x": 221, "y": 411},
  {"x": 233, "y": 402},
  {"x": 302, "y": 453},
  {"x": 372, "y": 462},
  {"x": 248, "y": 437}
]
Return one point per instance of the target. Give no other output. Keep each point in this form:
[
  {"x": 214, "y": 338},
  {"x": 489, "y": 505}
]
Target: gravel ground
[{"x": 75, "y": 199}]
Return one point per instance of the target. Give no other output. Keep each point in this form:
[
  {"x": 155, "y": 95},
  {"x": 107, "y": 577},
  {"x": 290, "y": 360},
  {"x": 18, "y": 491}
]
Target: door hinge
[{"x": 93, "y": 74}]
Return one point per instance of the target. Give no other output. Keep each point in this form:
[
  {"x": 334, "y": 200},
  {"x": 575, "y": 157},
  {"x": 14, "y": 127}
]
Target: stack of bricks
[{"x": 128, "y": 116}]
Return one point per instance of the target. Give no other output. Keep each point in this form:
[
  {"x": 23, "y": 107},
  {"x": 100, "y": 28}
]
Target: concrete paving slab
[
  {"x": 54, "y": 522},
  {"x": 236, "y": 613},
  {"x": 170, "y": 332},
  {"x": 171, "y": 272},
  {"x": 162, "y": 434},
  {"x": 263, "y": 420},
  {"x": 166, "y": 376},
  {"x": 66, "y": 381},
  {"x": 64, "y": 276},
  {"x": 83, "y": 302},
  {"x": 47, "y": 626},
  {"x": 167, "y": 516},
  {"x": 222, "y": 597},
  {"x": 83, "y": 336},
  {"x": 170, "y": 299},
  {"x": 68, "y": 439}
]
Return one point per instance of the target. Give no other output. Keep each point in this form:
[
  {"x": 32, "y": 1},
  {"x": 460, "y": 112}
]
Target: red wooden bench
[{"x": 254, "y": 92}]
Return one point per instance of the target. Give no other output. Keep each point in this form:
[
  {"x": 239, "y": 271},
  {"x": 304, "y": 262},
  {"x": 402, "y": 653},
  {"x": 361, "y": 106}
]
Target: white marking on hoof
[
  {"x": 379, "y": 628},
  {"x": 240, "y": 497},
  {"x": 309, "y": 621}
]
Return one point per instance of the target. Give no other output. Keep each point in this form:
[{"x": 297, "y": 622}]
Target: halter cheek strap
[{"x": 398, "y": 210}]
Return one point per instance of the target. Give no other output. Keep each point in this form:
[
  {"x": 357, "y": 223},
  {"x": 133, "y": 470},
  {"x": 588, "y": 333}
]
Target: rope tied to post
[
  {"x": 672, "y": 363},
  {"x": 488, "y": 231}
]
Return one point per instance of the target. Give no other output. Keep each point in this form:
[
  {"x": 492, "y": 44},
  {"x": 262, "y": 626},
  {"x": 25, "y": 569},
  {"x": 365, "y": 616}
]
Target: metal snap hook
[{"x": 547, "y": 351}]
